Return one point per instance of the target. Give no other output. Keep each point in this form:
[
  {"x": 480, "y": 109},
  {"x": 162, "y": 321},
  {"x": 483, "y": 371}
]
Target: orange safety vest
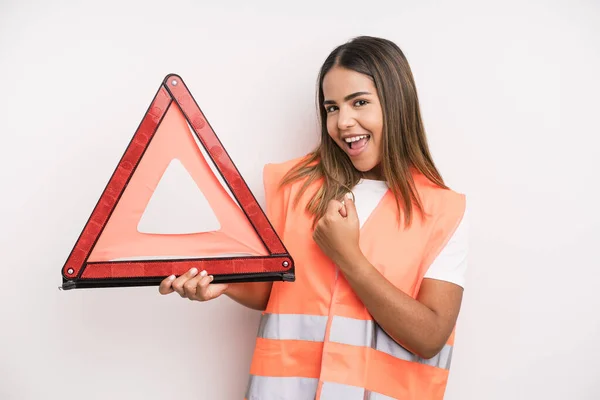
[{"x": 316, "y": 339}]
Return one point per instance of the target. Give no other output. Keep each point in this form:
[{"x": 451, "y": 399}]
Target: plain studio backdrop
[{"x": 509, "y": 94}]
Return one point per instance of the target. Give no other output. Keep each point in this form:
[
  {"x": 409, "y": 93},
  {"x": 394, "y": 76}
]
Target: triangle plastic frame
[{"x": 78, "y": 272}]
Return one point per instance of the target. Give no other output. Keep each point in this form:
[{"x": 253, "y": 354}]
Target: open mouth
[{"x": 357, "y": 142}]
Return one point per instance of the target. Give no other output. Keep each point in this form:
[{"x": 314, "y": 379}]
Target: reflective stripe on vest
[
  {"x": 358, "y": 332},
  {"x": 334, "y": 391},
  {"x": 293, "y": 327},
  {"x": 295, "y": 388},
  {"x": 278, "y": 388},
  {"x": 344, "y": 330}
]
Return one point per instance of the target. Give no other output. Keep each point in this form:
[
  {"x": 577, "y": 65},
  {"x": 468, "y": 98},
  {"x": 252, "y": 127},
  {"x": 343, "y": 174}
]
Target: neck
[{"x": 374, "y": 174}]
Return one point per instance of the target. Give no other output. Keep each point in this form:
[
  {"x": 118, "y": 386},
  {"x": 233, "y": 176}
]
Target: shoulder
[
  {"x": 277, "y": 196},
  {"x": 439, "y": 201},
  {"x": 452, "y": 262},
  {"x": 444, "y": 211},
  {"x": 274, "y": 173}
]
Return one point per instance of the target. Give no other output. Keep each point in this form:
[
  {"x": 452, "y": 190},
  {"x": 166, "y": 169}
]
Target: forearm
[
  {"x": 253, "y": 295},
  {"x": 409, "y": 322}
]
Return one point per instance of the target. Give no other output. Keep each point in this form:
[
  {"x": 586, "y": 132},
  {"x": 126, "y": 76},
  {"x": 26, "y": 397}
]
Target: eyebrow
[{"x": 347, "y": 98}]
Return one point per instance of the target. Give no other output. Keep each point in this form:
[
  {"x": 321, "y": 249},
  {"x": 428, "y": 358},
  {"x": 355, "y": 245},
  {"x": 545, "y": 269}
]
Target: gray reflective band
[
  {"x": 281, "y": 388},
  {"x": 378, "y": 396},
  {"x": 335, "y": 391},
  {"x": 332, "y": 391},
  {"x": 357, "y": 332},
  {"x": 293, "y": 327},
  {"x": 350, "y": 331},
  {"x": 296, "y": 388},
  {"x": 384, "y": 343}
]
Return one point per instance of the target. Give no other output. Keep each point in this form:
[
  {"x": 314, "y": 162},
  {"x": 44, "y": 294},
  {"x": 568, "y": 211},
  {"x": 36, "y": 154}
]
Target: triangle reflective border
[{"x": 259, "y": 252}]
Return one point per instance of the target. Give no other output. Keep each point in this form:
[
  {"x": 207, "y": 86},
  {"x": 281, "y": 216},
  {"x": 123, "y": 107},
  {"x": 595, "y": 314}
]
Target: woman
[{"x": 378, "y": 240}]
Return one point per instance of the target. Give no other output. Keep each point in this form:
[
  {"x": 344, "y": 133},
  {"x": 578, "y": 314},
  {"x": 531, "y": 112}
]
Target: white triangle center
[{"x": 177, "y": 206}]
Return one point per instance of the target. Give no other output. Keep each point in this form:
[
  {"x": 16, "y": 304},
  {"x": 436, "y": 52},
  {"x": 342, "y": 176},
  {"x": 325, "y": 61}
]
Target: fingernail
[
  {"x": 203, "y": 273},
  {"x": 212, "y": 278},
  {"x": 171, "y": 277},
  {"x": 193, "y": 271},
  {"x": 349, "y": 196}
]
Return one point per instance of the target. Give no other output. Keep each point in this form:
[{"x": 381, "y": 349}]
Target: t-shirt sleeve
[{"x": 451, "y": 263}]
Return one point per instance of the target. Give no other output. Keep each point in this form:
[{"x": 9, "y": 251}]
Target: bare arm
[
  {"x": 253, "y": 295},
  {"x": 422, "y": 325}
]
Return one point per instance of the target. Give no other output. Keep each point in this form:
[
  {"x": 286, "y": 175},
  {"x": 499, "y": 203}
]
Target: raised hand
[{"x": 337, "y": 232}]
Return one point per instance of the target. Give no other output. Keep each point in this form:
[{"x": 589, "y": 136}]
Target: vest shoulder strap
[
  {"x": 277, "y": 198},
  {"x": 446, "y": 208}
]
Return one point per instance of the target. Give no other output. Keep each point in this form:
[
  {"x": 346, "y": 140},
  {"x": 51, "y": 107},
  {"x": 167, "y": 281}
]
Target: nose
[{"x": 346, "y": 118}]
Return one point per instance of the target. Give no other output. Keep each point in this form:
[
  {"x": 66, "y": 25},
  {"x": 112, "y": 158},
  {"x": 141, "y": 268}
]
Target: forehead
[{"x": 340, "y": 82}]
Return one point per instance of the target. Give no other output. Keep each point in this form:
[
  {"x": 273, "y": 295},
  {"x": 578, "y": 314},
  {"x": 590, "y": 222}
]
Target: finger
[
  {"x": 179, "y": 282},
  {"x": 343, "y": 212},
  {"x": 350, "y": 207},
  {"x": 216, "y": 289},
  {"x": 189, "y": 287},
  {"x": 333, "y": 207},
  {"x": 203, "y": 288},
  {"x": 207, "y": 291},
  {"x": 165, "y": 286}
]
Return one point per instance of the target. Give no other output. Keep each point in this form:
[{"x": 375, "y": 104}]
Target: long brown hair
[{"x": 404, "y": 141}]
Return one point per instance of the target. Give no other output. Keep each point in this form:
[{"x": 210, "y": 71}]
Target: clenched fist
[{"x": 337, "y": 232}]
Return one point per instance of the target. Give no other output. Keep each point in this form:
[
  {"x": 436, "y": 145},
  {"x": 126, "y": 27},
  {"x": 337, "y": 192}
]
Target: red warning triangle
[{"x": 118, "y": 247}]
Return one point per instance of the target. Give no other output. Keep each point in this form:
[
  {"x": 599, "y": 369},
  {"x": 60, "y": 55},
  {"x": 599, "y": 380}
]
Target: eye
[
  {"x": 329, "y": 109},
  {"x": 360, "y": 102}
]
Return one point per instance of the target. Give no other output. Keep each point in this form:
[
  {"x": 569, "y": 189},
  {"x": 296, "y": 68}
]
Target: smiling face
[{"x": 354, "y": 118}]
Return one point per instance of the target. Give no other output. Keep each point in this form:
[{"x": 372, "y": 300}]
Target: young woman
[{"x": 379, "y": 241}]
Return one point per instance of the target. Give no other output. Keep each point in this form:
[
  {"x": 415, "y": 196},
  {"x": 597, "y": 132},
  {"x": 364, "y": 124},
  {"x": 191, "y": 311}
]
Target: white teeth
[{"x": 355, "y": 138}]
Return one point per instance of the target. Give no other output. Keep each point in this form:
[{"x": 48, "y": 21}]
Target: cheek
[
  {"x": 376, "y": 126},
  {"x": 331, "y": 127}
]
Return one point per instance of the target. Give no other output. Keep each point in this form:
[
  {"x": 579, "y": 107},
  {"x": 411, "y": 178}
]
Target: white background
[{"x": 510, "y": 96}]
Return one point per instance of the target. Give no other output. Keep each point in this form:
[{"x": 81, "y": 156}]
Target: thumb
[
  {"x": 217, "y": 289},
  {"x": 350, "y": 207}
]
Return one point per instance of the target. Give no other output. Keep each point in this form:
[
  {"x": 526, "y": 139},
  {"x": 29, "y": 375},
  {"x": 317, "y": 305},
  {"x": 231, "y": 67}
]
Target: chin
[
  {"x": 366, "y": 166},
  {"x": 362, "y": 167}
]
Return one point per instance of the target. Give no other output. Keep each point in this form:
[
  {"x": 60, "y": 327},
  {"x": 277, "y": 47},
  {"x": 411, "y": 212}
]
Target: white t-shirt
[{"x": 451, "y": 264}]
